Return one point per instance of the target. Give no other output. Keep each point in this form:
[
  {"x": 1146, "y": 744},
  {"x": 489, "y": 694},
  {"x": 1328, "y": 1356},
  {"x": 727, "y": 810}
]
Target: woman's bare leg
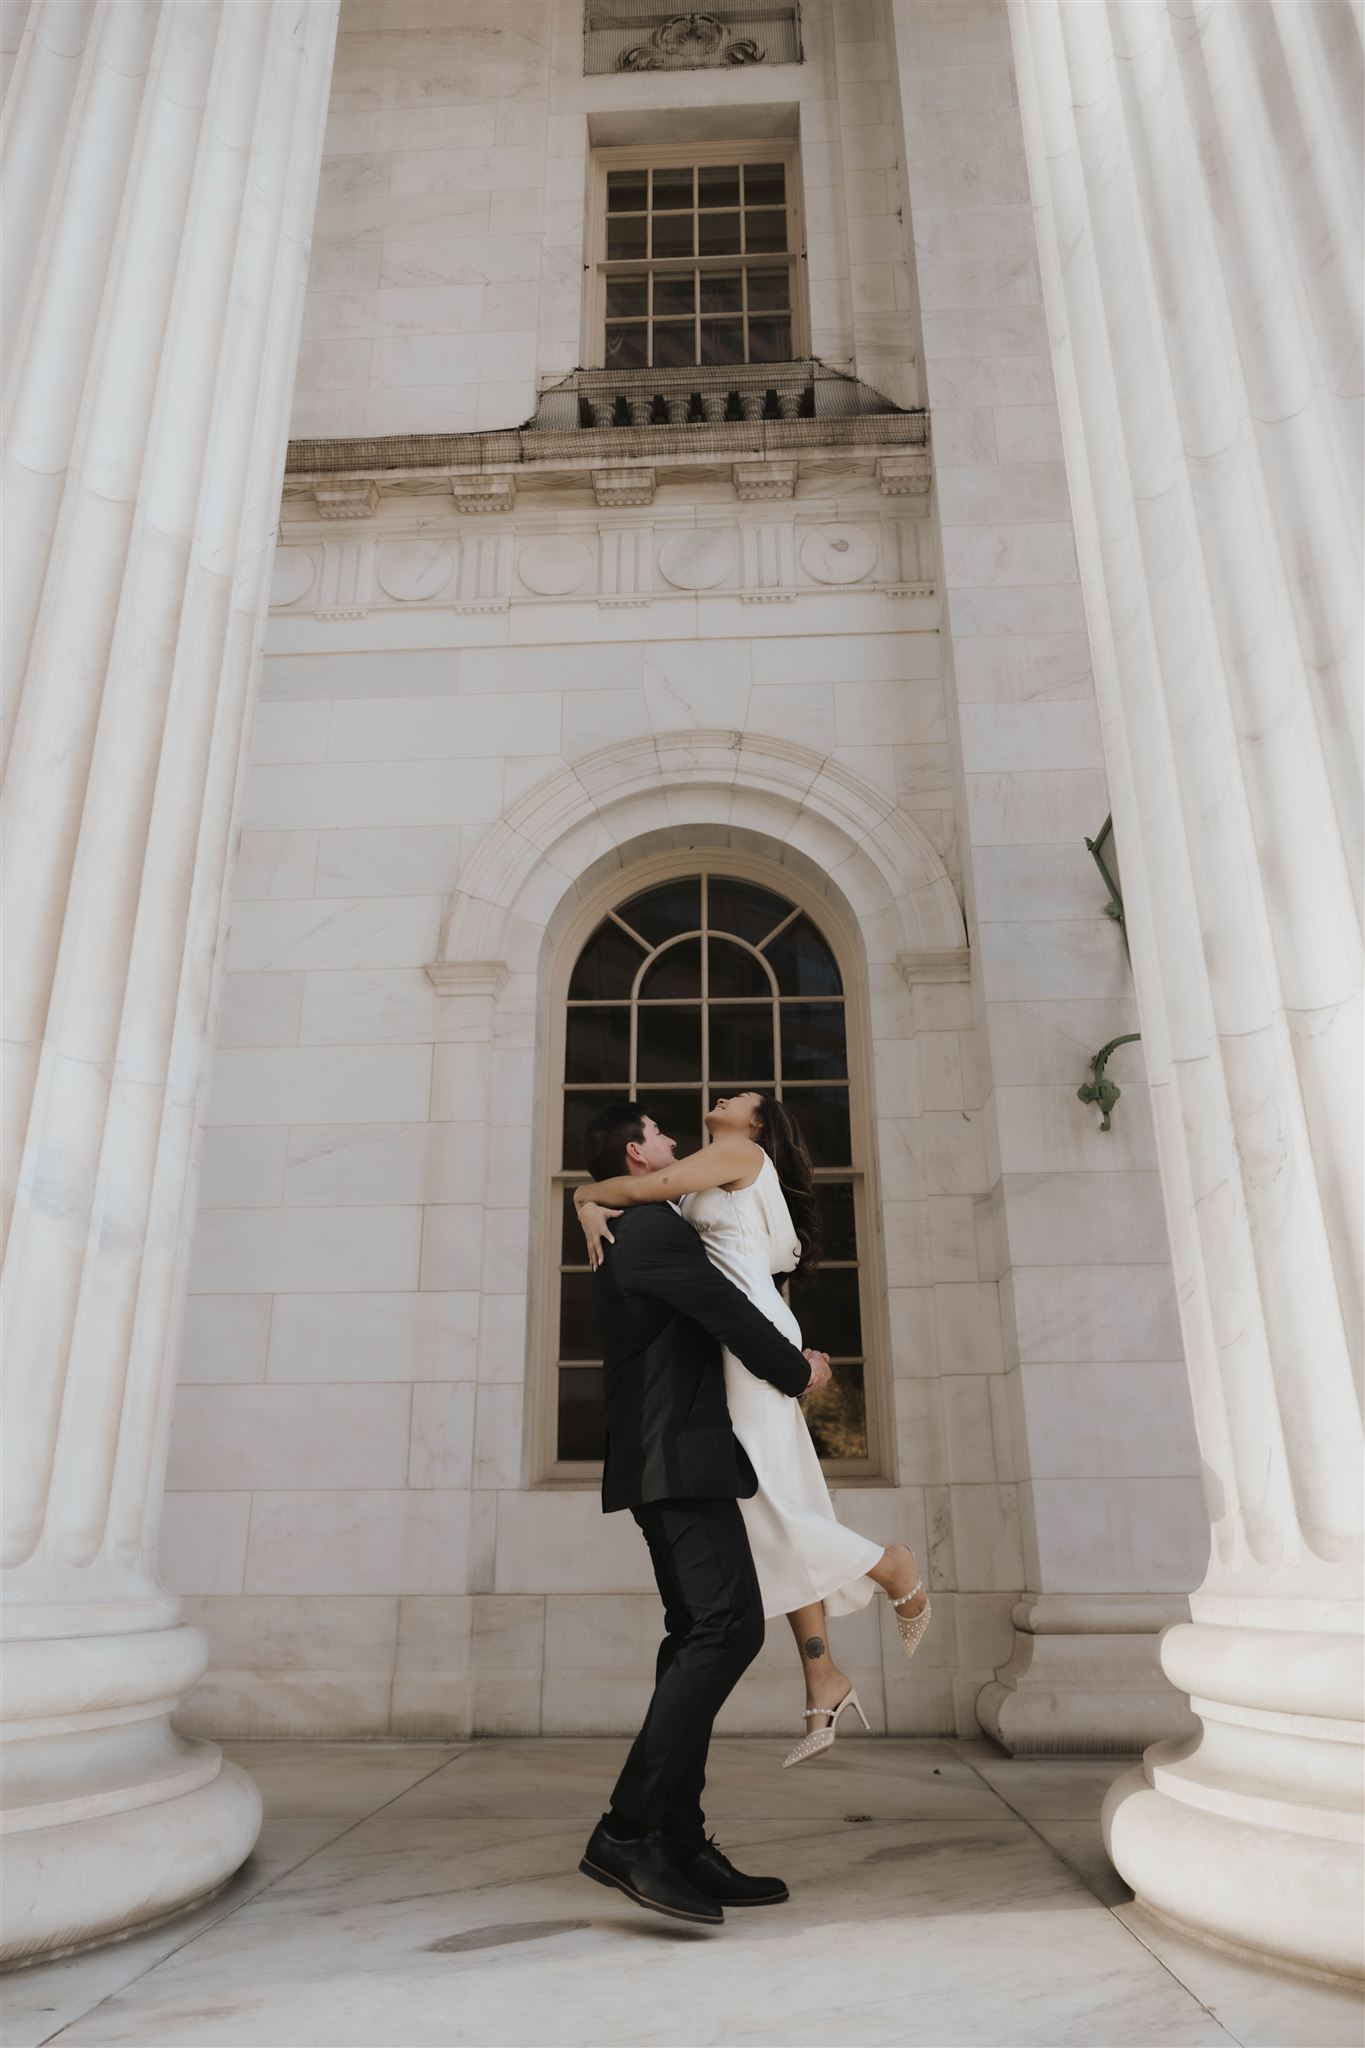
[
  {"x": 896, "y": 1574},
  {"x": 826, "y": 1684}
]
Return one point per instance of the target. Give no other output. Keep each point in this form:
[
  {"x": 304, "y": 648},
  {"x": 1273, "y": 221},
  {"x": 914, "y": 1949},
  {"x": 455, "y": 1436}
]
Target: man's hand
[{"x": 820, "y": 1371}]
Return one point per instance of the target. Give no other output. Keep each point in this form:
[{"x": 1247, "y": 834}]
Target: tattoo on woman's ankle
[{"x": 815, "y": 1649}]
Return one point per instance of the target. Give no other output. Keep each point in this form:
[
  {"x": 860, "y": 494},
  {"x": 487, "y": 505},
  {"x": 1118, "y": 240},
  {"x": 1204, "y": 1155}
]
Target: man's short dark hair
[{"x": 606, "y": 1135}]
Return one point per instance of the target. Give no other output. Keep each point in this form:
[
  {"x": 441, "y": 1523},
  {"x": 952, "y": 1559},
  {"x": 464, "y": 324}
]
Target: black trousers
[{"x": 713, "y": 1613}]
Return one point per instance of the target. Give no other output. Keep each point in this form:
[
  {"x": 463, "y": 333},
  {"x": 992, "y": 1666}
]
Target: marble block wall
[
  {"x": 354, "y": 1513},
  {"x": 350, "y": 1506},
  {"x": 450, "y": 234}
]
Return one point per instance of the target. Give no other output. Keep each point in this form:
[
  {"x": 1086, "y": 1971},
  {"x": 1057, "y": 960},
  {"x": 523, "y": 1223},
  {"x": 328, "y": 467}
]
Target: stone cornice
[{"x": 619, "y": 434}]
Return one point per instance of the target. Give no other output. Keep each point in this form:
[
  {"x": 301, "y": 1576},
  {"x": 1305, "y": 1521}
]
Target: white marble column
[
  {"x": 161, "y": 164},
  {"x": 1195, "y": 175}
]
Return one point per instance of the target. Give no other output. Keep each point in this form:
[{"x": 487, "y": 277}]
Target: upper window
[
  {"x": 697, "y": 257},
  {"x": 701, "y": 984}
]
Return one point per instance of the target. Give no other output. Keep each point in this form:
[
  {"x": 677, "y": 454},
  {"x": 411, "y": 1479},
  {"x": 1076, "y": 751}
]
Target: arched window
[{"x": 709, "y": 983}]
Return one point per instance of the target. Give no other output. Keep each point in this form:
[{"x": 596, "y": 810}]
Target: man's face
[{"x": 653, "y": 1151}]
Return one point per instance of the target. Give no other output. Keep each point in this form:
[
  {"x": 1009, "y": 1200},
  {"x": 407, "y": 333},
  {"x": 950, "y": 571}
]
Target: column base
[
  {"x": 111, "y": 1819},
  {"x": 84, "y": 1882},
  {"x": 1085, "y": 1678},
  {"x": 1249, "y": 1833},
  {"x": 1263, "y": 1893}
]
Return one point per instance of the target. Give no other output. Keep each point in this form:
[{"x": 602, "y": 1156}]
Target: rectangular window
[{"x": 697, "y": 257}]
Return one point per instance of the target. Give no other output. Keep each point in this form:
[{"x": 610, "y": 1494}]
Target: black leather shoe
[
  {"x": 716, "y": 1876},
  {"x": 647, "y": 1871}
]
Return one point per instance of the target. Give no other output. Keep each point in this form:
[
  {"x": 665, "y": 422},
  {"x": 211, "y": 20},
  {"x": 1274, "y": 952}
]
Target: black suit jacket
[{"x": 664, "y": 1312}]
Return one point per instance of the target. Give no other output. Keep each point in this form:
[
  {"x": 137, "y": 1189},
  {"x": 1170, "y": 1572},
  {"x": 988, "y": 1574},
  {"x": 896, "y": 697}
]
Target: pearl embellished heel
[
  {"x": 912, "y": 1626},
  {"x": 823, "y": 1738}
]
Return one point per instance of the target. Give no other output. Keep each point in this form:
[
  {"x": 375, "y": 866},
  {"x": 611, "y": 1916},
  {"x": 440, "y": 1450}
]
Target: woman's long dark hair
[{"x": 780, "y": 1136}]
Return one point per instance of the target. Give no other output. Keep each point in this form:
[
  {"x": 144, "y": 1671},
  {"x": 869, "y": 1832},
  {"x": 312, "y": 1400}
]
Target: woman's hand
[{"x": 594, "y": 1219}]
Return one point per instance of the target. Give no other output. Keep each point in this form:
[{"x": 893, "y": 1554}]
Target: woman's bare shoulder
[{"x": 745, "y": 1159}]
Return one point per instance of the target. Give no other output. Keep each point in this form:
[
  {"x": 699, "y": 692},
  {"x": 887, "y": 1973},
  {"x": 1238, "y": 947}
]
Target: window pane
[
  {"x": 733, "y": 972},
  {"x": 765, "y": 184},
  {"x": 581, "y": 1434},
  {"x": 669, "y": 1044},
  {"x": 626, "y": 191},
  {"x": 626, "y": 297},
  {"x": 803, "y": 963},
  {"x": 673, "y": 187},
  {"x": 718, "y": 185},
  {"x": 722, "y": 341},
  {"x": 626, "y": 237},
  {"x": 675, "y": 344},
  {"x": 626, "y": 347},
  {"x": 813, "y": 1042},
  {"x": 607, "y": 966},
  {"x": 836, "y": 1415},
  {"x": 827, "y": 1310},
  {"x": 721, "y": 291},
  {"x": 823, "y": 1116},
  {"x": 675, "y": 973},
  {"x": 770, "y": 341},
  {"x": 767, "y": 291},
  {"x": 573, "y": 1249},
  {"x": 662, "y": 913},
  {"x": 672, "y": 234},
  {"x": 577, "y": 1327},
  {"x": 578, "y": 1107},
  {"x": 741, "y": 1043},
  {"x": 838, "y": 1225},
  {"x": 718, "y": 235},
  {"x": 672, "y": 295},
  {"x": 598, "y": 1046},
  {"x": 741, "y": 907},
  {"x": 766, "y": 230},
  {"x": 678, "y": 1115}
]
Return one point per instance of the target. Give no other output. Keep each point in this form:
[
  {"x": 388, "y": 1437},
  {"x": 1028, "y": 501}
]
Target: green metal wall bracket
[
  {"x": 1101, "y": 851},
  {"x": 1097, "y": 1088}
]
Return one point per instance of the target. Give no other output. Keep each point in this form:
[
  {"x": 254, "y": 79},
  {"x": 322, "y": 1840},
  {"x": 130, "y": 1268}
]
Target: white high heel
[
  {"x": 822, "y": 1739},
  {"x": 912, "y": 1626}
]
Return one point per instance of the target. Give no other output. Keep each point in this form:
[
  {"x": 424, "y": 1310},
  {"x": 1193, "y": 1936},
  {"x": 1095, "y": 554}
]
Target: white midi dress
[{"x": 802, "y": 1552}]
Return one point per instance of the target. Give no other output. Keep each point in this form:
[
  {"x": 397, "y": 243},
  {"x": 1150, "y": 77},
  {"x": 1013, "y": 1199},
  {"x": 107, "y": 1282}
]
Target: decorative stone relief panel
[
  {"x": 635, "y": 35},
  {"x": 758, "y": 560}
]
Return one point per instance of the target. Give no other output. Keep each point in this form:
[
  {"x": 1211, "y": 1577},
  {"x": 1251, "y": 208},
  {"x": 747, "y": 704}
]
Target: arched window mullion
[
  {"x": 629, "y": 928},
  {"x": 778, "y": 929}
]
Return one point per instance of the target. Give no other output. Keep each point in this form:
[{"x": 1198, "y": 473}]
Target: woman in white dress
[{"x": 739, "y": 1193}]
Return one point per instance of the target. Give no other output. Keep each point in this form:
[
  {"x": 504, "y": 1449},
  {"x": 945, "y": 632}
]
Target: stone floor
[{"x": 405, "y": 1895}]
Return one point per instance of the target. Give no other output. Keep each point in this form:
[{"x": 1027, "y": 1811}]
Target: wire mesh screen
[{"x": 632, "y": 35}]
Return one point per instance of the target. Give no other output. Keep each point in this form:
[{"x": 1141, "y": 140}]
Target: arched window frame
[{"x": 840, "y": 931}]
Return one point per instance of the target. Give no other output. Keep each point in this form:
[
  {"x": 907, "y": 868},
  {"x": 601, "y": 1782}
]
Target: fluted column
[
  {"x": 1195, "y": 173},
  {"x": 161, "y": 163}
]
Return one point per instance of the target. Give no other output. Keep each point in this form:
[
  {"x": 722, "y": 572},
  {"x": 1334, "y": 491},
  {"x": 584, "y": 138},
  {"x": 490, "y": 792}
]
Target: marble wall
[
  {"x": 450, "y": 235},
  {"x": 352, "y": 1509}
]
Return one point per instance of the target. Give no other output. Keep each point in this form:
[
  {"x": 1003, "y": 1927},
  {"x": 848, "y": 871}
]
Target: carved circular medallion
[
  {"x": 554, "y": 565},
  {"x": 698, "y": 558},
  {"x": 838, "y": 554},
  {"x": 698, "y": 36},
  {"x": 413, "y": 569},
  {"x": 292, "y": 575}
]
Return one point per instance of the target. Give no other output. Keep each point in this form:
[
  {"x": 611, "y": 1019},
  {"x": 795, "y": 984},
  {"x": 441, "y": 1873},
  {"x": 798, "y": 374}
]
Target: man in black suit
[{"x": 664, "y": 1312}]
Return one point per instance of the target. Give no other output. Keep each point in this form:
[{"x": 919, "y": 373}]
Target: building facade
[{"x": 762, "y": 487}]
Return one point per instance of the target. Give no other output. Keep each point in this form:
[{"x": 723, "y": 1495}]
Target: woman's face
[{"x": 735, "y": 1113}]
